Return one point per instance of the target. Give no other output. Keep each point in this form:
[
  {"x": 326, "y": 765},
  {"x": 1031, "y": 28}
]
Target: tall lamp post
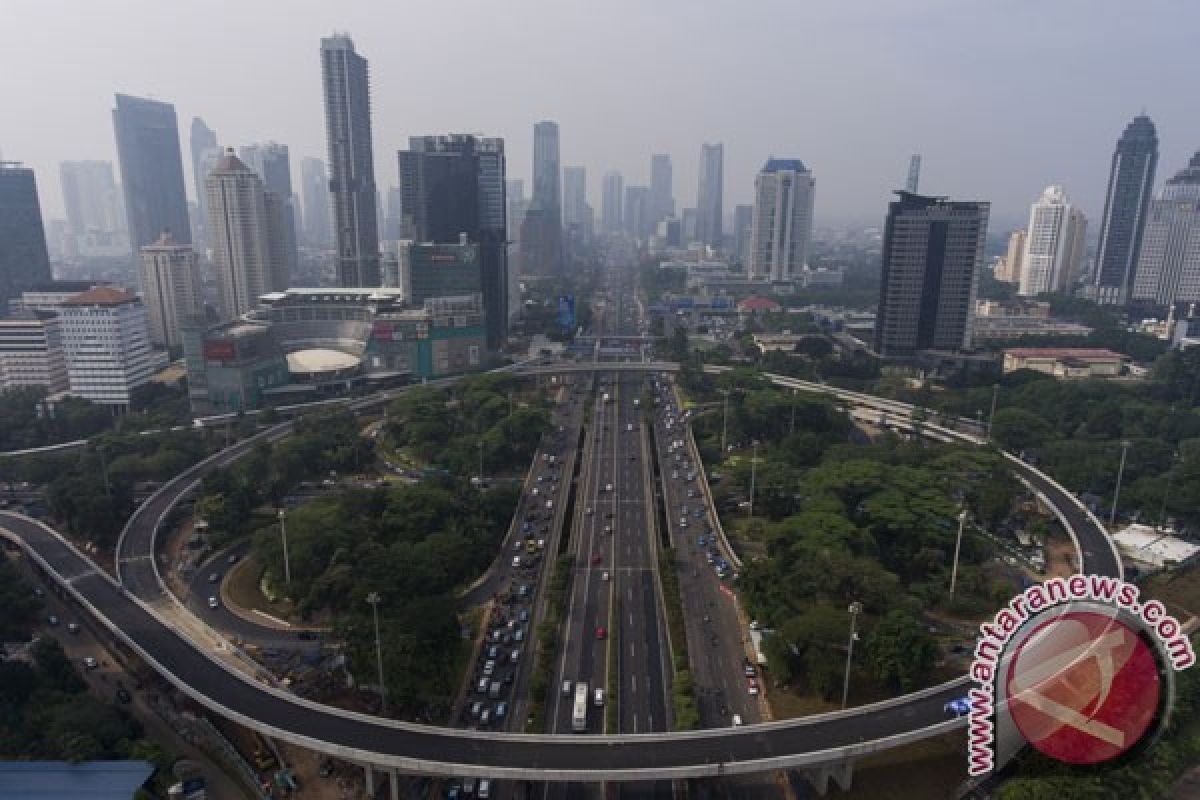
[
  {"x": 855, "y": 609},
  {"x": 481, "y": 462},
  {"x": 1112, "y": 517},
  {"x": 992, "y": 413},
  {"x": 753, "y": 474},
  {"x": 287, "y": 565},
  {"x": 1162, "y": 511},
  {"x": 725, "y": 424},
  {"x": 962, "y": 519},
  {"x": 374, "y": 599}
]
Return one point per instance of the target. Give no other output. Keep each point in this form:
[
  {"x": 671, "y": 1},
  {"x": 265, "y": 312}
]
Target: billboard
[{"x": 566, "y": 312}]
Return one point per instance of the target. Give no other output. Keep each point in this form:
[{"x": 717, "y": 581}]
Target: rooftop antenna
[{"x": 914, "y": 174}]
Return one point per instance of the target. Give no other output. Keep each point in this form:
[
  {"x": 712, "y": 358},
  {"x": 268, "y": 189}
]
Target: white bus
[{"x": 579, "y": 719}]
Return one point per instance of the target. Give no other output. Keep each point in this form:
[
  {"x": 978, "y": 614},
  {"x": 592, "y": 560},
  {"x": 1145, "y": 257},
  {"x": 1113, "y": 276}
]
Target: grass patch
[
  {"x": 547, "y": 644},
  {"x": 1179, "y": 590},
  {"x": 687, "y": 715},
  {"x": 243, "y": 587}
]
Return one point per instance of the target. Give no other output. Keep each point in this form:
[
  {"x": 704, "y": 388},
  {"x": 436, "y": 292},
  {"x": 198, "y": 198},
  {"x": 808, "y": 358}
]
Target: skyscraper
[
  {"x": 91, "y": 197},
  {"x": 914, "y": 174},
  {"x": 24, "y": 261},
  {"x": 636, "y": 209},
  {"x": 1008, "y": 267},
  {"x": 171, "y": 289},
  {"x": 743, "y": 226},
  {"x": 1168, "y": 269},
  {"x": 205, "y": 153},
  {"x": 247, "y": 236},
  {"x": 575, "y": 205},
  {"x": 351, "y": 163},
  {"x": 1053, "y": 244},
  {"x": 782, "y": 227},
  {"x": 318, "y": 210},
  {"x": 932, "y": 250},
  {"x": 151, "y": 170},
  {"x": 611, "y": 218},
  {"x": 1130, "y": 186},
  {"x": 547, "y": 171},
  {"x": 273, "y": 165},
  {"x": 662, "y": 200},
  {"x": 709, "y": 197},
  {"x": 455, "y": 184}
]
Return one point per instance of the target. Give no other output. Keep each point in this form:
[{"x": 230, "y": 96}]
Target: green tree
[{"x": 900, "y": 651}]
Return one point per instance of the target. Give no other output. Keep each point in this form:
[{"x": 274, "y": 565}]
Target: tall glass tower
[{"x": 1126, "y": 205}]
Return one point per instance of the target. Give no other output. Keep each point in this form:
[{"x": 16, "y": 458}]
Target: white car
[
  {"x": 737, "y": 720},
  {"x": 213, "y": 602}
]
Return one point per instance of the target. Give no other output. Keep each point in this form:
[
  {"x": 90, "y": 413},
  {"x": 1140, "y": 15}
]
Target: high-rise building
[
  {"x": 318, "y": 208},
  {"x": 31, "y": 351},
  {"x": 91, "y": 197},
  {"x": 783, "y": 215},
  {"x": 455, "y": 184},
  {"x": 547, "y": 171},
  {"x": 205, "y": 153},
  {"x": 575, "y": 205},
  {"x": 273, "y": 165},
  {"x": 914, "y": 174},
  {"x": 688, "y": 226},
  {"x": 247, "y": 236},
  {"x": 1053, "y": 253},
  {"x": 743, "y": 226},
  {"x": 24, "y": 261},
  {"x": 1008, "y": 267},
  {"x": 393, "y": 228},
  {"x": 171, "y": 289},
  {"x": 1168, "y": 270},
  {"x": 611, "y": 217},
  {"x": 662, "y": 198},
  {"x": 710, "y": 195},
  {"x": 1126, "y": 204},
  {"x": 351, "y": 162},
  {"x": 151, "y": 170},
  {"x": 442, "y": 270},
  {"x": 107, "y": 345},
  {"x": 932, "y": 251},
  {"x": 636, "y": 208}
]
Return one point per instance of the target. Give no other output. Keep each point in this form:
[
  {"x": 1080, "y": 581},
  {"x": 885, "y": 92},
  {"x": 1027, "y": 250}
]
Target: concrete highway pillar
[
  {"x": 394, "y": 777},
  {"x": 841, "y": 772},
  {"x": 369, "y": 780}
]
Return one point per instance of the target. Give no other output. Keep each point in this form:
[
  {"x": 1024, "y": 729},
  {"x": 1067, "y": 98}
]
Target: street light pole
[
  {"x": 1112, "y": 517},
  {"x": 287, "y": 565},
  {"x": 373, "y": 598},
  {"x": 725, "y": 424},
  {"x": 753, "y": 471},
  {"x": 992, "y": 413},
  {"x": 855, "y": 609},
  {"x": 792, "y": 425},
  {"x": 481, "y": 463},
  {"x": 962, "y": 519},
  {"x": 1162, "y": 512}
]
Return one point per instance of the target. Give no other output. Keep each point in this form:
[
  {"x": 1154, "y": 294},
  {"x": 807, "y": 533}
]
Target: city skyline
[{"x": 859, "y": 166}]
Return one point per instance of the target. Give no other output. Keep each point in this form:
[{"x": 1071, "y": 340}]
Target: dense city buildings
[
  {"x": 151, "y": 170},
  {"x": 273, "y": 165},
  {"x": 1168, "y": 270},
  {"x": 31, "y": 351},
  {"x": 171, "y": 289},
  {"x": 612, "y": 219},
  {"x": 318, "y": 208},
  {"x": 932, "y": 251},
  {"x": 248, "y": 236},
  {"x": 1008, "y": 267},
  {"x": 662, "y": 197},
  {"x": 1054, "y": 244},
  {"x": 351, "y": 161},
  {"x": 1126, "y": 205},
  {"x": 455, "y": 184},
  {"x": 24, "y": 260},
  {"x": 206, "y": 152},
  {"x": 710, "y": 195},
  {"x": 95, "y": 209},
  {"x": 781, "y": 231},
  {"x": 107, "y": 345}
]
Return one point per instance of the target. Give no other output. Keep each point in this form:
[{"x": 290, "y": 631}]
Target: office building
[
  {"x": 743, "y": 222},
  {"x": 442, "y": 270},
  {"x": 547, "y": 171},
  {"x": 171, "y": 289},
  {"x": 1126, "y": 205},
  {"x": 351, "y": 162},
  {"x": 537, "y": 244},
  {"x": 24, "y": 260},
  {"x": 393, "y": 228},
  {"x": 206, "y": 152},
  {"x": 151, "y": 170},
  {"x": 575, "y": 205},
  {"x": 710, "y": 194},
  {"x": 636, "y": 209},
  {"x": 612, "y": 219},
  {"x": 688, "y": 227},
  {"x": 270, "y": 160},
  {"x": 1053, "y": 246},
  {"x": 1168, "y": 270},
  {"x": 1008, "y": 267},
  {"x": 781, "y": 230},
  {"x": 31, "y": 352},
  {"x": 455, "y": 184},
  {"x": 91, "y": 197},
  {"x": 662, "y": 198},
  {"x": 318, "y": 207},
  {"x": 107, "y": 345},
  {"x": 247, "y": 236},
  {"x": 932, "y": 250}
]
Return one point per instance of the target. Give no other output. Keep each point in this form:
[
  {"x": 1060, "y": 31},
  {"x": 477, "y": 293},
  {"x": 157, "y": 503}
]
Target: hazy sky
[{"x": 1001, "y": 97}]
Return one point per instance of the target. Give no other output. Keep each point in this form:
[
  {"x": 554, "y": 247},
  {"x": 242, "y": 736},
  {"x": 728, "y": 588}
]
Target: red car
[
  {"x": 601, "y": 633},
  {"x": 596, "y": 560}
]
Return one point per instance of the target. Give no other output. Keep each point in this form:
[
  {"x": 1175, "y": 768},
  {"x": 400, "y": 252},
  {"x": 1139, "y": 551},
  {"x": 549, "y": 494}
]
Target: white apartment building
[
  {"x": 1054, "y": 244},
  {"x": 1168, "y": 269},
  {"x": 781, "y": 229},
  {"x": 107, "y": 345},
  {"x": 171, "y": 288},
  {"x": 31, "y": 352}
]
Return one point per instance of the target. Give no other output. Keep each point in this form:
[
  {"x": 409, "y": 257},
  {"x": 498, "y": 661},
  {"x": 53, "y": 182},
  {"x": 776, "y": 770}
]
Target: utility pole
[
  {"x": 992, "y": 414},
  {"x": 792, "y": 425},
  {"x": 962, "y": 519},
  {"x": 725, "y": 424},
  {"x": 1112, "y": 517},
  {"x": 287, "y": 565},
  {"x": 1162, "y": 511},
  {"x": 855, "y": 609},
  {"x": 481, "y": 463},
  {"x": 104, "y": 472},
  {"x": 753, "y": 471},
  {"x": 373, "y": 598}
]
